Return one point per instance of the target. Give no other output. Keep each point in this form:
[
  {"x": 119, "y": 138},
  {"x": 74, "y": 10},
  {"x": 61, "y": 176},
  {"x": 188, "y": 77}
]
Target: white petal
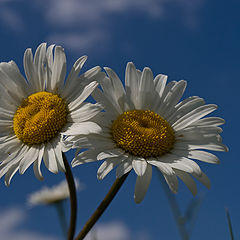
[
  {"x": 49, "y": 158},
  {"x": 101, "y": 98},
  {"x": 49, "y": 55},
  {"x": 30, "y": 70},
  {"x": 183, "y": 166},
  {"x": 111, "y": 94},
  {"x": 14, "y": 90},
  {"x": 188, "y": 181},
  {"x": 146, "y": 90},
  {"x": 80, "y": 83},
  {"x": 117, "y": 87},
  {"x": 85, "y": 112},
  {"x": 7, "y": 104},
  {"x": 163, "y": 167},
  {"x": 193, "y": 165},
  {"x": 72, "y": 76},
  {"x": 139, "y": 166},
  {"x": 173, "y": 97},
  {"x": 93, "y": 140},
  {"x": 37, "y": 164},
  {"x": 184, "y": 107},
  {"x": 13, "y": 159},
  {"x": 172, "y": 182},
  {"x": 142, "y": 184},
  {"x": 116, "y": 152},
  {"x": 160, "y": 83},
  {"x": 199, "y": 155},
  {"x": 124, "y": 167},
  {"x": 157, "y": 105},
  {"x": 203, "y": 179},
  {"x": 85, "y": 157},
  {"x": 82, "y": 96},
  {"x": 131, "y": 84},
  {"x": 81, "y": 128},
  {"x": 209, "y": 121},
  {"x": 13, "y": 169},
  {"x": 196, "y": 134},
  {"x": 214, "y": 146},
  {"x": 12, "y": 71},
  {"x": 58, "y": 153},
  {"x": 106, "y": 167},
  {"x": 28, "y": 159},
  {"x": 9, "y": 144},
  {"x": 40, "y": 62},
  {"x": 193, "y": 116},
  {"x": 58, "y": 70},
  {"x": 199, "y": 129},
  {"x": 139, "y": 73}
]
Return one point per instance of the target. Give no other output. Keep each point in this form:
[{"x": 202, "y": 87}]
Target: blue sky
[{"x": 193, "y": 40}]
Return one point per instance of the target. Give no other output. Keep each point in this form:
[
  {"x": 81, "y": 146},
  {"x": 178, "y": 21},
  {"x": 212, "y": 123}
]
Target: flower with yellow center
[
  {"x": 36, "y": 113},
  {"x": 145, "y": 125}
]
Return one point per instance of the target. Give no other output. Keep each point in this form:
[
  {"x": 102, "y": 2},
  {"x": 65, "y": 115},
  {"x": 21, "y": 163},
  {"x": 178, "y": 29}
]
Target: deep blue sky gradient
[{"x": 193, "y": 40}]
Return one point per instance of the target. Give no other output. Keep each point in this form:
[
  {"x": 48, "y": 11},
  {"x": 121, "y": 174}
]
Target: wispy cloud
[
  {"x": 116, "y": 230},
  {"x": 81, "y": 24},
  {"x": 85, "y": 24},
  {"x": 94, "y": 12},
  {"x": 79, "y": 41},
  {"x": 10, "y": 18},
  {"x": 10, "y": 221}
]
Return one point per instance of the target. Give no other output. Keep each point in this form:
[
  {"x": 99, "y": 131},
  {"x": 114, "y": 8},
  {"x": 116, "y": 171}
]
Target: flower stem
[
  {"x": 73, "y": 198},
  {"x": 175, "y": 209},
  {"x": 102, "y": 207},
  {"x": 62, "y": 218},
  {"x": 229, "y": 224}
]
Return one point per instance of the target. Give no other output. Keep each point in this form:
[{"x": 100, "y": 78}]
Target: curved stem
[
  {"x": 73, "y": 198},
  {"x": 102, "y": 207}
]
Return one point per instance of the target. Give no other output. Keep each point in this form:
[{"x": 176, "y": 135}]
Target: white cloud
[
  {"x": 115, "y": 230},
  {"x": 10, "y": 220},
  {"x": 79, "y": 41},
  {"x": 85, "y": 24},
  {"x": 80, "y": 12},
  {"x": 11, "y": 18},
  {"x": 62, "y": 13},
  {"x": 109, "y": 231},
  {"x": 88, "y": 24}
]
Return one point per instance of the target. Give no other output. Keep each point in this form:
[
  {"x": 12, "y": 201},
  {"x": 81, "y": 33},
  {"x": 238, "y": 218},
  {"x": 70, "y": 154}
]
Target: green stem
[
  {"x": 62, "y": 218},
  {"x": 102, "y": 207},
  {"x": 73, "y": 198},
  {"x": 229, "y": 224},
  {"x": 175, "y": 209}
]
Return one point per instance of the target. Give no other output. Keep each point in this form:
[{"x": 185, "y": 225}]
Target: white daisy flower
[
  {"x": 55, "y": 194},
  {"x": 145, "y": 125},
  {"x": 35, "y": 113}
]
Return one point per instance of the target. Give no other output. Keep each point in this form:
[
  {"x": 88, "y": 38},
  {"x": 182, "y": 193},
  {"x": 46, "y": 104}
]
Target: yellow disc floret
[
  {"x": 39, "y": 118},
  {"x": 143, "y": 133}
]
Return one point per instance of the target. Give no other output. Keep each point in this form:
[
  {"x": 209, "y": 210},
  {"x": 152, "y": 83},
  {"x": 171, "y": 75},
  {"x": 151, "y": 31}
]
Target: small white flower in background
[
  {"x": 145, "y": 125},
  {"x": 52, "y": 195},
  {"x": 34, "y": 113}
]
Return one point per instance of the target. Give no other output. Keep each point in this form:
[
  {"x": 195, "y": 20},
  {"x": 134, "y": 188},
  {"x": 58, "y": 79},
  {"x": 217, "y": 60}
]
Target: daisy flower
[
  {"x": 145, "y": 125},
  {"x": 55, "y": 194},
  {"x": 34, "y": 113}
]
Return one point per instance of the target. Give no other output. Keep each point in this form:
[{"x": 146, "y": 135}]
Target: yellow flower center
[
  {"x": 39, "y": 118},
  {"x": 143, "y": 133}
]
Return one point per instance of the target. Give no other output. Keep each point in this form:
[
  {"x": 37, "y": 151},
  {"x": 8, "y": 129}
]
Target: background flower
[{"x": 53, "y": 194}]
